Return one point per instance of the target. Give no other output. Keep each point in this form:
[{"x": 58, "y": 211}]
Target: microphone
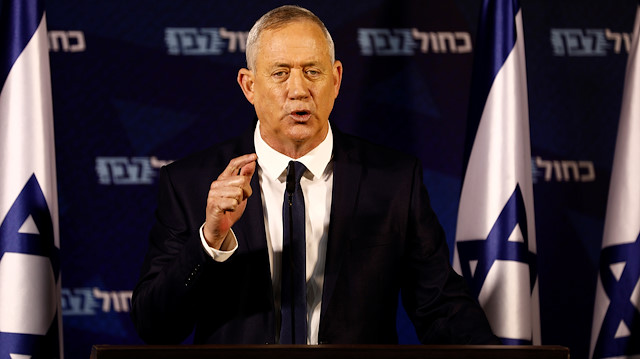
[{"x": 291, "y": 179}]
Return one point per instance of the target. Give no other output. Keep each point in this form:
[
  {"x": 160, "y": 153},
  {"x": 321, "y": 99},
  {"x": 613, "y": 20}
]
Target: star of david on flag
[
  {"x": 619, "y": 334},
  {"x": 616, "y": 316},
  {"x": 507, "y": 241},
  {"x": 495, "y": 236},
  {"x": 30, "y": 316}
]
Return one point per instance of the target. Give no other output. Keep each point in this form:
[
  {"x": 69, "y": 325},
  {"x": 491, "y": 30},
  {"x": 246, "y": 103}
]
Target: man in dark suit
[{"x": 216, "y": 262}]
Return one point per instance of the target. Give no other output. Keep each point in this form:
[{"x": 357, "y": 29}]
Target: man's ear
[
  {"x": 245, "y": 80},
  {"x": 337, "y": 76}
]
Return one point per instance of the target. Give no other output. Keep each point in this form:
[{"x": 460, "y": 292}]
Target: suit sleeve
[
  {"x": 434, "y": 295},
  {"x": 167, "y": 291}
]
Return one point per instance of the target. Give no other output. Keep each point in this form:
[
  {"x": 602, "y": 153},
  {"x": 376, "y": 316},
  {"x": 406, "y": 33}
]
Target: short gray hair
[{"x": 280, "y": 17}]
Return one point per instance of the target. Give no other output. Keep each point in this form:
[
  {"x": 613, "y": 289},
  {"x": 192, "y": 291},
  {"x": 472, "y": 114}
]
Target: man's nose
[{"x": 298, "y": 86}]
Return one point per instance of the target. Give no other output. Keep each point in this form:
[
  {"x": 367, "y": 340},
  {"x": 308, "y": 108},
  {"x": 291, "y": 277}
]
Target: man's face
[{"x": 293, "y": 86}]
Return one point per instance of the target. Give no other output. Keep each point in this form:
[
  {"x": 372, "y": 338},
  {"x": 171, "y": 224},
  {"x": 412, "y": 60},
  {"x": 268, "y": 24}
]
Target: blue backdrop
[{"x": 139, "y": 83}]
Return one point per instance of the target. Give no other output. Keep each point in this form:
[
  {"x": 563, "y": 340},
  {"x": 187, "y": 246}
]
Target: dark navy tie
[{"x": 293, "y": 329}]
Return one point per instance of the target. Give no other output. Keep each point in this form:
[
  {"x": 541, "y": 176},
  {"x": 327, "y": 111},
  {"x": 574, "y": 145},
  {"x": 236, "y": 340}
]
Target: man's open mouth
[{"x": 301, "y": 115}]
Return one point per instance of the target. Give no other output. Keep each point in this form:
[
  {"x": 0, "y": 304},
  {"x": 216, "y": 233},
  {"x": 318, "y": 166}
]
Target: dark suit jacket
[{"x": 383, "y": 238}]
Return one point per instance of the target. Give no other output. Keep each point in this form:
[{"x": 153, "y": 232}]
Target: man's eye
[
  {"x": 313, "y": 72},
  {"x": 279, "y": 74}
]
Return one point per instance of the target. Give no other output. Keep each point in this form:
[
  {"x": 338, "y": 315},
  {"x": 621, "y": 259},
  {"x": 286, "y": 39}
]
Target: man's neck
[
  {"x": 293, "y": 149},
  {"x": 274, "y": 162}
]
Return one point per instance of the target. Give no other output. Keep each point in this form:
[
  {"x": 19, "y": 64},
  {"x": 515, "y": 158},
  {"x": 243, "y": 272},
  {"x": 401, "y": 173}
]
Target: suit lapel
[
  {"x": 347, "y": 172},
  {"x": 250, "y": 229},
  {"x": 253, "y": 219}
]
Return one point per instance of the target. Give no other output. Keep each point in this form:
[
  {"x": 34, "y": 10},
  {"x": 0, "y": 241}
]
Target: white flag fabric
[
  {"x": 495, "y": 236},
  {"x": 30, "y": 320},
  {"x": 616, "y": 315}
]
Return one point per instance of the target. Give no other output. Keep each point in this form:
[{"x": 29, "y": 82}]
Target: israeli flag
[
  {"x": 616, "y": 316},
  {"x": 30, "y": 321},
  {"x": 495, "y": 236}
]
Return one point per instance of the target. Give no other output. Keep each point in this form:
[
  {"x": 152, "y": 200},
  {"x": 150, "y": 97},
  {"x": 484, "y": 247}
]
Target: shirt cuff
[{"x": 229, "y": 246}]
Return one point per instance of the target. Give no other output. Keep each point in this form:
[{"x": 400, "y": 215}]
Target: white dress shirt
[{"x": 317, "y": 185}]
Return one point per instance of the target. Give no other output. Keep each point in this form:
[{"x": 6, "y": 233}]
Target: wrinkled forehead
[{"x": 294, "y": 39}]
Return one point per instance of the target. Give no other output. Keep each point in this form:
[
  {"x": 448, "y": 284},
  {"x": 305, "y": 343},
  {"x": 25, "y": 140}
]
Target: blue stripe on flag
[
  {"x": 509, "y": 341},
  {"x": 19, "y": 20},
  {"x": 495, "y": 39},
  {"x": 35, "y": 346}
]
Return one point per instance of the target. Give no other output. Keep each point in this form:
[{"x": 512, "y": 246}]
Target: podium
[{"x": 328, "y": 351}]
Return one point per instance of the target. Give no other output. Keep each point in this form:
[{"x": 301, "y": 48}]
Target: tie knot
[{"x": 297, "y": 169}]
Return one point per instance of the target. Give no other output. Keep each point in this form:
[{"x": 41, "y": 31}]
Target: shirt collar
[{"x": 274, "y": 164}]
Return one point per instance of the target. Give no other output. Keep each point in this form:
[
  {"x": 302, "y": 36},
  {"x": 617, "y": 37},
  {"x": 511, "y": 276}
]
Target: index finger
[{"x": 236, "y": 164}]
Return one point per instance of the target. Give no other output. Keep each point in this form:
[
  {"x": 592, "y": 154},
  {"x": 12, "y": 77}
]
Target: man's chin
[{"x": 302, "y": 133}]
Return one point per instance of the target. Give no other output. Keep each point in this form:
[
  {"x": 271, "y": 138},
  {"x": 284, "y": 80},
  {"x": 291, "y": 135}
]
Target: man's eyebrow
[{"x": 288, "y": 65}]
